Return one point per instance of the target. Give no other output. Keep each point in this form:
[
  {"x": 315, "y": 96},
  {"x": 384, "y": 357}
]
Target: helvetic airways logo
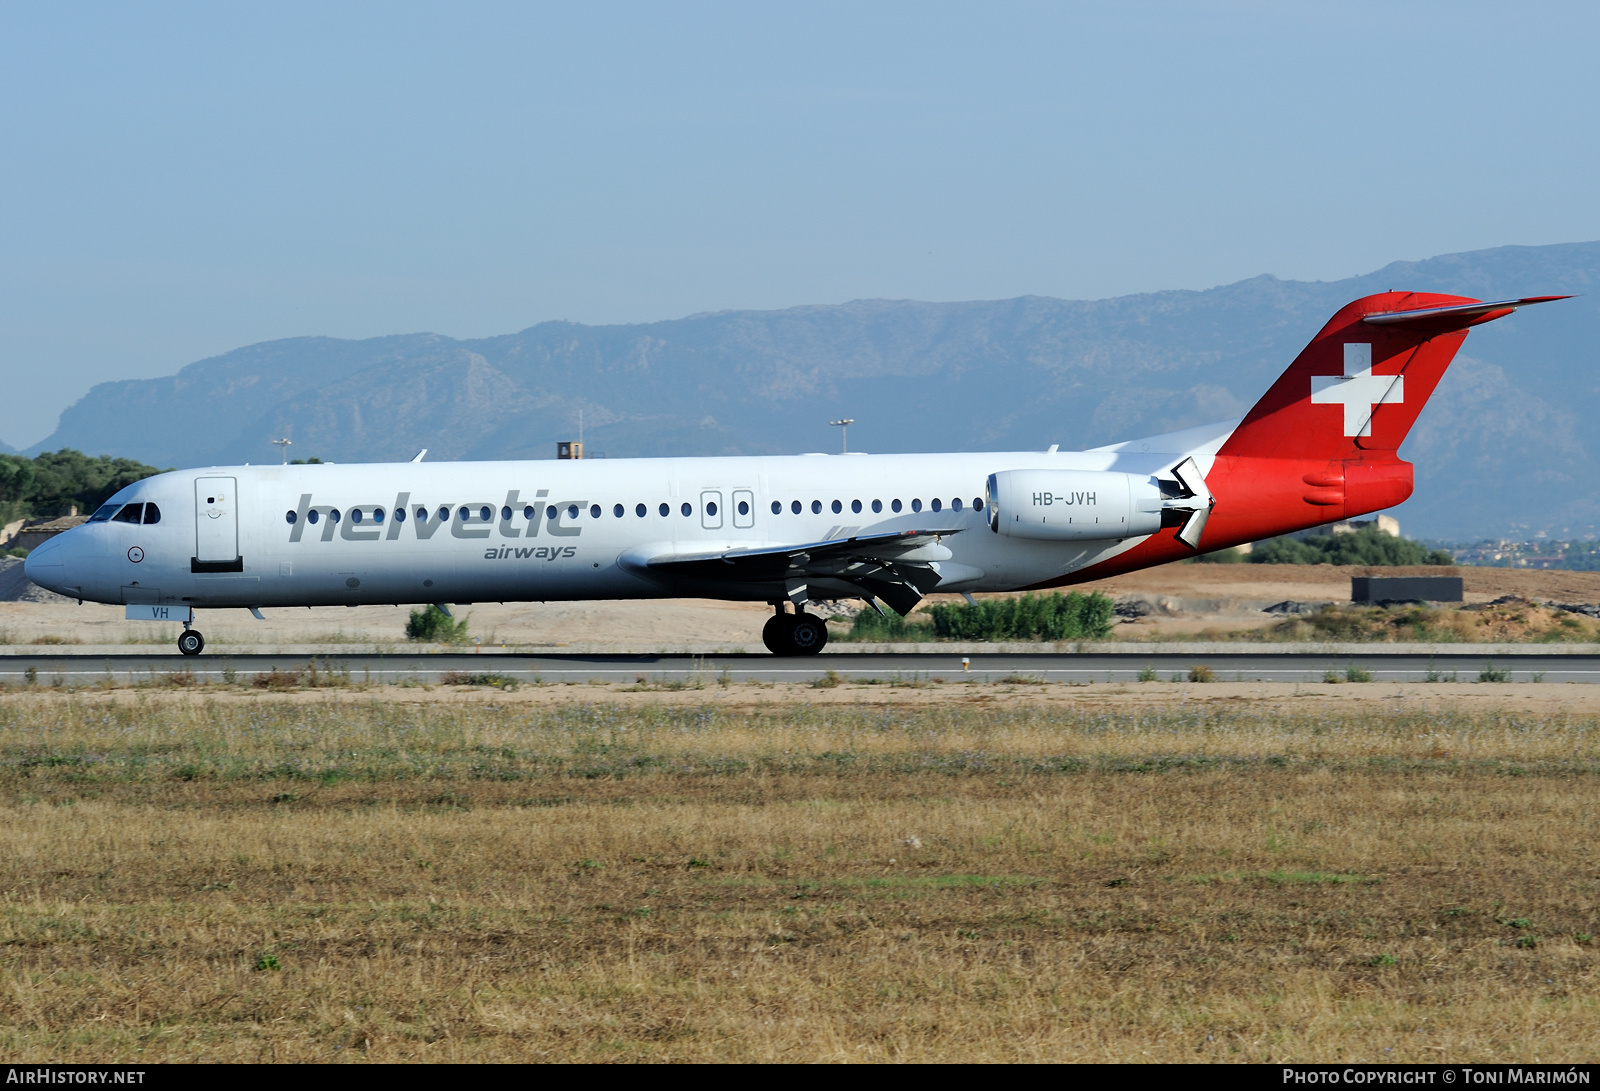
[{"x": 1358, "y": 390}]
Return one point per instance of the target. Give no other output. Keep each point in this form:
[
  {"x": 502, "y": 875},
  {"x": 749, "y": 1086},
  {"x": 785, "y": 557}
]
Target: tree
[
  {"x": 56, "y": 480},
  {"x": 1367, "y": 546},
  {"x": 16, "y": 480}
]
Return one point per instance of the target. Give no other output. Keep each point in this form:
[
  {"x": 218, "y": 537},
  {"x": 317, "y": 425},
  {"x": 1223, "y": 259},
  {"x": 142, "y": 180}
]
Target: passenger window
[
  {"x": 355, "y": 515},
  {"x": 486, "y": 513},
  {"x": 617, "y": 511},
  {"x": 463, "y": 513},
  {"x": 505, "y": 514},
  {"x": 744, "y": 508},
  {"x": 106, "y": 511},
  {"x": 855, "y": 506},
  {"x": 711, "y": 508},
  {"x": 877, "y": 506},
  {"x": 639, "y": 511},
  {"x": 130, "y": 513},
  {"x": 837, "y": 507},
  {"x": 594, "y": 511},
  {"x": 444, "y": 513},
  {"x": 572, "y": 511},
  {"x": 686, "y": 509},
  {"x": 916, "y": 504},
  {"x": 333, "y": 515},
  {"x": 936, "y": 504},
  {"x": 816, "y": 507},
  {"x": 399, "y": 515},
  {"x": 955, "y": 505},
  {"x": 665, "y": 511},
  {"x": 377, "y": 515},
  {"x": 794, "y": 506},
  {"x": 895, "y": 505},
  {"x": 528, "y": 512},
  {"x": 977, "y": 503},
  {"x": 289, "y": 517},
  {"x": 312, "y": 516},
  {"x": 777, "y": 507},
  {"x": 152, "y": 514}
]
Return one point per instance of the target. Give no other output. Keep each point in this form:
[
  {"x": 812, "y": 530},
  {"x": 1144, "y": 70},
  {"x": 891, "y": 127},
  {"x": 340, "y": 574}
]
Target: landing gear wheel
[
  {"x": 775, "y": 634},
  {"x": 191, "y": 642},
  {"x": 807, "y": 634}
]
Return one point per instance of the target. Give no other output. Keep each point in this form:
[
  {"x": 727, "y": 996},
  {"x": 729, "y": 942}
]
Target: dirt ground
[
  {"x": 645, "y": 624},
  {"x": 1189, "y": 598},
  {"x": 953, "y": 693}
]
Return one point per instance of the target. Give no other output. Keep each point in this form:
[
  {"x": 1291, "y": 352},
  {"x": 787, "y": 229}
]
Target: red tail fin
[{"x": 1360, "y": 383}]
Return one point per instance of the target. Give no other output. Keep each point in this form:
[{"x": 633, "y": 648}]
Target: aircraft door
[
  {"x": 711, "y": 510},
  {"x": 216, "y": 520},
  {"x": 744, "y": 508}
]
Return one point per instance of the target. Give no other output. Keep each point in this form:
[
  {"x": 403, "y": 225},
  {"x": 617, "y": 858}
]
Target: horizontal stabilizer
[{"x": 1446, "y": 319}]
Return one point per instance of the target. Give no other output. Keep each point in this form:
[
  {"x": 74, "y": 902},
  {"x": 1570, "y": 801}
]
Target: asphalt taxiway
[{"x": 1384, "y": 663}]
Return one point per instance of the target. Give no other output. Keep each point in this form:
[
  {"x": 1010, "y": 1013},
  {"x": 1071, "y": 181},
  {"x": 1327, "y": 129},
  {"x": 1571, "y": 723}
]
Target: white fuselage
[{"x": 546, "y": 530}]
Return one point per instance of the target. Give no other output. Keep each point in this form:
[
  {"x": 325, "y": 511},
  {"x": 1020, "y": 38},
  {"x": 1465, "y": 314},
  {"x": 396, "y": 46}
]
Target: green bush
[
  {"x": 435, "y": 626},
  {"x": 1055, "y": 616},
  {"x": 1367, "y": 546}
]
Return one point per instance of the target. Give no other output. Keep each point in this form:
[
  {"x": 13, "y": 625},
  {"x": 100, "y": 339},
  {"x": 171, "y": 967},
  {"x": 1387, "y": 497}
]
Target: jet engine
[{"x": 1081, "y": 505}]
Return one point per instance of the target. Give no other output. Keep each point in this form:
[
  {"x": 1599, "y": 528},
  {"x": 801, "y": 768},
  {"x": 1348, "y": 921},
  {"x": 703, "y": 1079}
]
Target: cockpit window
[
  {"x": 130, "y": 513},
  {"x": 105, "y": 512},
  {"x": 152, "y": 514}
]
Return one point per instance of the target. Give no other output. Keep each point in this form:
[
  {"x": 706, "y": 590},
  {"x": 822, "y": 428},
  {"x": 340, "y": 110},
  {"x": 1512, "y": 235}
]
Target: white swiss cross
[{"x": 1358, "y": 390}]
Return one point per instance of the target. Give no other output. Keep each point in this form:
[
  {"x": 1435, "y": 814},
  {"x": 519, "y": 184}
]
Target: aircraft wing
[{"x": 896, "y": 567}]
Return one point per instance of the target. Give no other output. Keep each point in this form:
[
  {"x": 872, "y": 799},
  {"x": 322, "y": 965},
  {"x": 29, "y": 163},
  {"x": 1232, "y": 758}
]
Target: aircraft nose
[{"x": 46, "y": 565}]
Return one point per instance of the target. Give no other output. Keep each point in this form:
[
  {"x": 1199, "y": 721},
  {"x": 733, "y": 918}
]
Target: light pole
[
  {"x": 844, "y": 433},
  {"x": 283, "y": 445}
]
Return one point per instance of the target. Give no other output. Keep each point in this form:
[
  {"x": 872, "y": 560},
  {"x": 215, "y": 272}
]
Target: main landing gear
[
  {"x": 794, "y": 634},
  {"x": 191, "y": 642}
]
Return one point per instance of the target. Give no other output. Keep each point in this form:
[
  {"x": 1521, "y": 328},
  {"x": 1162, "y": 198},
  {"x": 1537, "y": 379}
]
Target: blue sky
[{"x": 179, "y": 180}]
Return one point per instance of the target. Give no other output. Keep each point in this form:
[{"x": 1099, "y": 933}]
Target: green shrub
[
  {"x": 1052, "y": 617},
  {"x": 871, "y": 625},
  {"x": 435, "y": 626}
]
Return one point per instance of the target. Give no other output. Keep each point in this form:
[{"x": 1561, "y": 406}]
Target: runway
[{"x": 1381, "y": 663}]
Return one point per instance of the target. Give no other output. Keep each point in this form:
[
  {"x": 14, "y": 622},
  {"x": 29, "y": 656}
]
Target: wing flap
[{"x": 894, "y": 567}]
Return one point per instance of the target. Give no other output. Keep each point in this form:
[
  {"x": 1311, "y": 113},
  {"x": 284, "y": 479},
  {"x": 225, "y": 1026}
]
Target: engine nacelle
[{"x": 1073, "y": 505}]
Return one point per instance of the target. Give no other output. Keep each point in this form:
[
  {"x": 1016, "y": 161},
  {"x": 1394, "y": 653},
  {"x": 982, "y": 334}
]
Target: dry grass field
[{"x": 1006, "y": 872}]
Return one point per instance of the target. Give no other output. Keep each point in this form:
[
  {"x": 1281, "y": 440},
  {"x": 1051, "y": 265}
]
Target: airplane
[{"x": 1320, "y": 446}]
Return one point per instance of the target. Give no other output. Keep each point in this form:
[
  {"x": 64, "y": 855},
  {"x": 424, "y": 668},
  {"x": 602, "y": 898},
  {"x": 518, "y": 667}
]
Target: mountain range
[{"x": 1506, "y": 448}]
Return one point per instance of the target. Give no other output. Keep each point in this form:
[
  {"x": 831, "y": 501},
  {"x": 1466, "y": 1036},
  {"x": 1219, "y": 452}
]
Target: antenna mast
[{"x": 844, "y": 433}]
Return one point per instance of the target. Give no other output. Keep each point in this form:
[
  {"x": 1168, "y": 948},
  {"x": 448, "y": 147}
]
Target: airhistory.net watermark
[{"x": 57, "y": 1075}]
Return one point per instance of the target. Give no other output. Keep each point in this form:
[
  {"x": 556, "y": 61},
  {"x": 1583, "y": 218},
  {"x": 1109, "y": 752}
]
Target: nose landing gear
[
  {"x": 794, "y": 634},
  {"x": 191, "y": 642}
]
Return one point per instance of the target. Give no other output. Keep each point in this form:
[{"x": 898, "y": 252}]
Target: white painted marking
[{"x": 1358, "y": 390}]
